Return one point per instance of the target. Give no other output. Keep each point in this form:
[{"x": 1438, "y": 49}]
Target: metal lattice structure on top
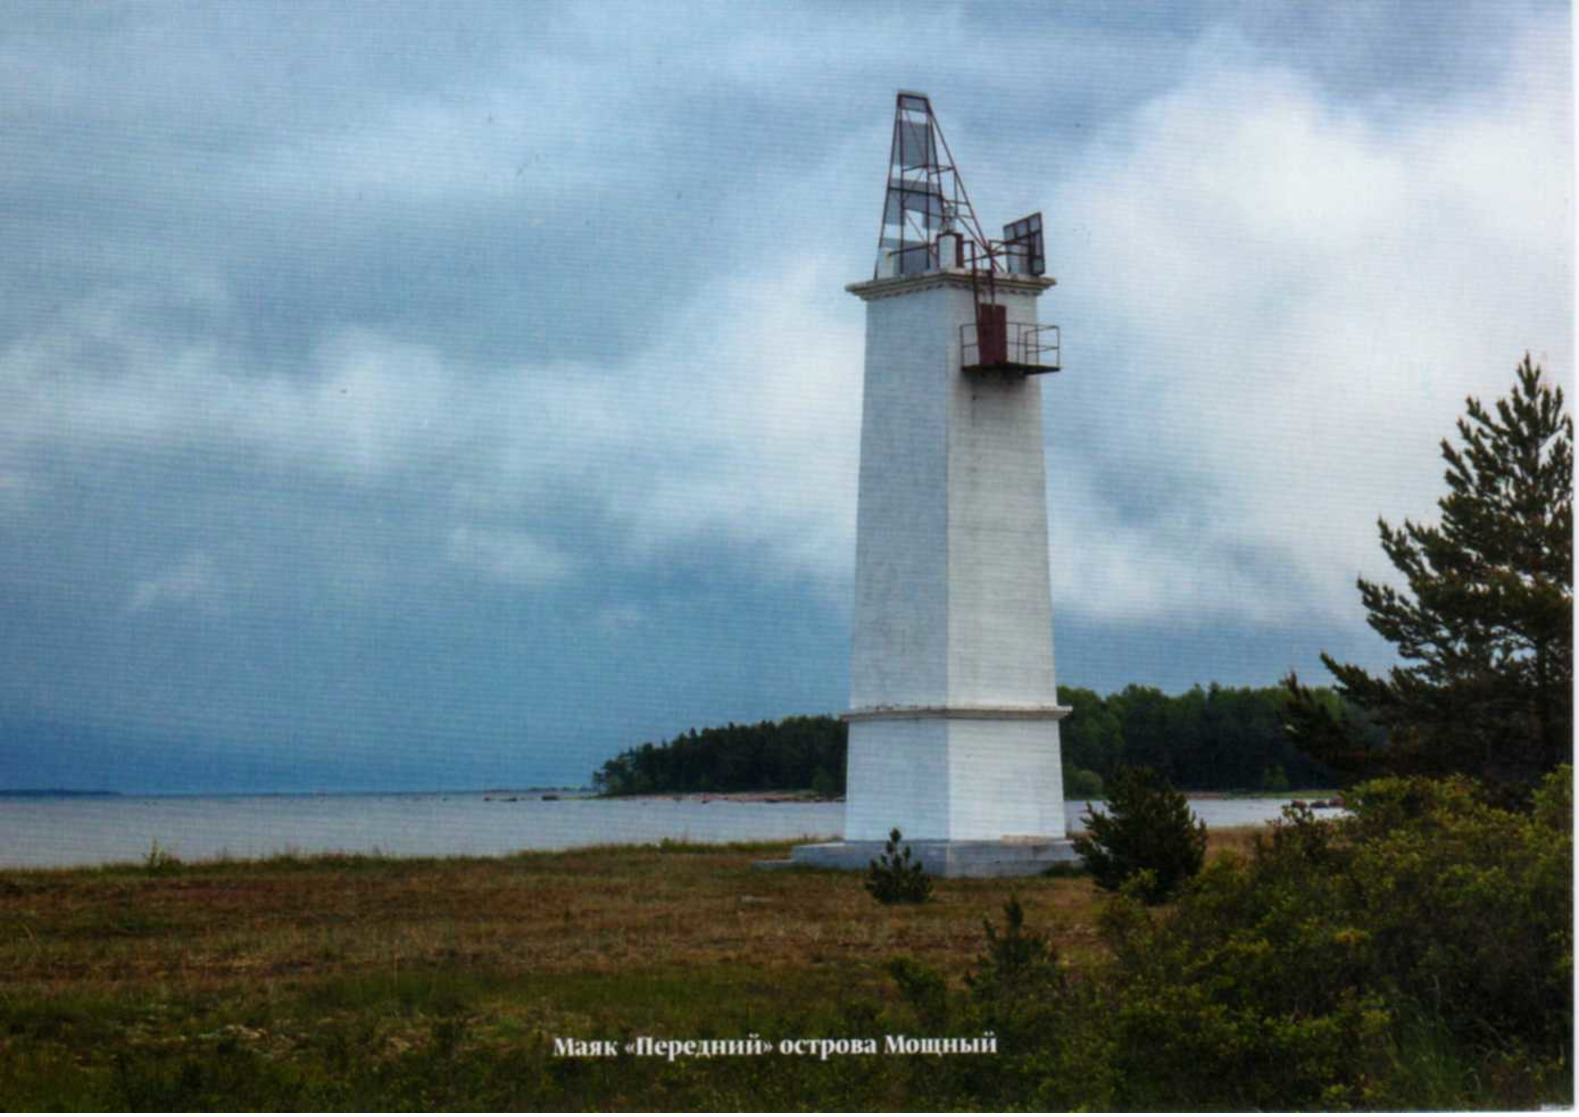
[
  {"x": 928, "y": 221},
  {"x": 926, "y": 196},
  {"x": 929, "y": 224}
]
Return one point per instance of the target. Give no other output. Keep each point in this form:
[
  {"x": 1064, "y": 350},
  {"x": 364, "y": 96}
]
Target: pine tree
[
  {"x": 1485, "y": 628},
  {"x": 1147, "y": 829}
]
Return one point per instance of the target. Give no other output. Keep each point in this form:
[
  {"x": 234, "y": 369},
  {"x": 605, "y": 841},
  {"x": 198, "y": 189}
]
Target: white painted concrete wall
[
  {"x": 1005, "y": 780},
  {"x": 952, "y": 606},
  {"x": 954, "y": 778},
  {"x": 1000, "y": 611},
  {"x": 900, "y": 653},
  {"x": 897, "y": 775}
]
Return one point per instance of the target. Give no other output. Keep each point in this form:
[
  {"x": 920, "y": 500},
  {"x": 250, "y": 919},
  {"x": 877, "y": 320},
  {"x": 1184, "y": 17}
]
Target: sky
[{"x": 417, "y": 396}]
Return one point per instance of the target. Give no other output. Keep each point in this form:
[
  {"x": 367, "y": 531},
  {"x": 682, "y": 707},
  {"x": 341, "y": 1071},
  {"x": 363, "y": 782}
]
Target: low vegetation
[
  {"x": 1147, "y": 840},
  {"x": 354, "y": 982},
  {"x": 896, "y": 878},
  {"x": 1415, "y": 955}
]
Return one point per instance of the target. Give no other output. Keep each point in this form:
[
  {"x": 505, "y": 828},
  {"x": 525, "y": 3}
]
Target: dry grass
[
  {"x": 1237, "y": 840},
  {"x": 333, "y": 982},
  {"x": 599, "y": 911},
  {"x": 588, "y": 912}
]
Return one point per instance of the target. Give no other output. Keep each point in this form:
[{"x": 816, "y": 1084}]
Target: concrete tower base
[{"x": 959, "y": 774}]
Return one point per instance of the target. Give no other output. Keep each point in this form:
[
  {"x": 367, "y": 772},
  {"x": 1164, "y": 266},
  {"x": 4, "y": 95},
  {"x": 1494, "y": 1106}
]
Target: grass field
[{"x": 365, "y": 982}]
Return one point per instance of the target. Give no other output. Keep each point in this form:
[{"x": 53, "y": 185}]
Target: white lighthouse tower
[{"x": 953, "y": 706}]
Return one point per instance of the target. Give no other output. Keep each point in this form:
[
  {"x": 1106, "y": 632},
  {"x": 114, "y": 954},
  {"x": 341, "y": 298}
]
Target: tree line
[
  {"x": 1207, "y": 739},
  {"x": 796, "y": 753},
  {"x": 1213, "y": 738}
]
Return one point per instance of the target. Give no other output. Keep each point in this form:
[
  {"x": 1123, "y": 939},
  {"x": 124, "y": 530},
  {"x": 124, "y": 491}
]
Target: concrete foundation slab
[{"x": 1015, "y": 857}]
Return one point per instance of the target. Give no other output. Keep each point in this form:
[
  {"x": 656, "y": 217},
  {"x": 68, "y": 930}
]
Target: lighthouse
[{"x": 953, "y": 719}]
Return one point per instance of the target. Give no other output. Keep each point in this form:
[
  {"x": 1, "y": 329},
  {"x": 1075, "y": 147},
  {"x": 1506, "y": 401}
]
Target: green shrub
[
  {"x": 1415, "y": 955},
  {"x": 1015, "y": 962},
  {"x": 1049, "y": 1023},
  {"x": 1016, "y": 986},
  {"x": 1495, "y": 888},
  {"x": 1148, "y": 828},
  {"x": 925, "y": 989},
  {"x": 894, "y": 878},
  {"x": 1082, "y": 783}
]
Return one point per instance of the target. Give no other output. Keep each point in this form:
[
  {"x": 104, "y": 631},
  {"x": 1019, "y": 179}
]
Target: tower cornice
[
  {"x": 1043, "y": 712},
  {"x": 889, "y": 287}
]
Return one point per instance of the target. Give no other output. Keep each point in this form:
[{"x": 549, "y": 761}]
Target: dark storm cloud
[{"x": 471, "y": 387}]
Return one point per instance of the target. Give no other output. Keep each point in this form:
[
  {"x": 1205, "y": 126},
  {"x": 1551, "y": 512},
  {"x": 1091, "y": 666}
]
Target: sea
[{"x": 61, "y": 831}]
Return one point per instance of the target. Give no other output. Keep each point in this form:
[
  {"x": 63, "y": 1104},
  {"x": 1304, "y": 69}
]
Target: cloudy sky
[{"x": 452, "y": 395}]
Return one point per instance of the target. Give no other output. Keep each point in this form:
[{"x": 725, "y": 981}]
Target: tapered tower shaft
[{"x": 954, "y": 706}]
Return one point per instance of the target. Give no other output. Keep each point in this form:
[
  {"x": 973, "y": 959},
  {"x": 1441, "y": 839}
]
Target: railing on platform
[{"x": 1022, "y": 347}]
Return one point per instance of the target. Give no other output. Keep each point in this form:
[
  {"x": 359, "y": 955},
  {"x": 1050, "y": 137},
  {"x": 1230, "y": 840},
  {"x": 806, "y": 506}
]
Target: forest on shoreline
[{"x": 1206, "y": 739}]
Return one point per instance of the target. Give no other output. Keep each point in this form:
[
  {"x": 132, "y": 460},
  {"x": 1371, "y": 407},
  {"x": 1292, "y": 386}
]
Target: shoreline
[
  {"x": 163, "y": 864},
  {"x": 63, "y": 833},
  {"x": 1318, "y": 795},
  {"x": 723, "y": 797}
]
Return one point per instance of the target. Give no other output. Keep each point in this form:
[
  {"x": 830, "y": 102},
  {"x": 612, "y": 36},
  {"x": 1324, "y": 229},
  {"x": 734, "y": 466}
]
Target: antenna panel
[{"x": 1023, "y": 246}]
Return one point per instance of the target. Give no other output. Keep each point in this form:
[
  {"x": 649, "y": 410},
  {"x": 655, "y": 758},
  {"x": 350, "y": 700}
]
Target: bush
[
  {"x": 1082, "y": 783},
  {"x": 1049, "y": 1022},
  {"x": 1416, "y": 955},
  {"x": 1014, "y": 962},
  {"x": 1150, "y": 829},
  {"x": 894, "y": 878},
  {"x": 1495, "y": 885}
]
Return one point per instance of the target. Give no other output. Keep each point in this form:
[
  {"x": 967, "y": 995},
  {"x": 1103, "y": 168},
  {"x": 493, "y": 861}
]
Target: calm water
[{"x": 88, "y": 831}]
